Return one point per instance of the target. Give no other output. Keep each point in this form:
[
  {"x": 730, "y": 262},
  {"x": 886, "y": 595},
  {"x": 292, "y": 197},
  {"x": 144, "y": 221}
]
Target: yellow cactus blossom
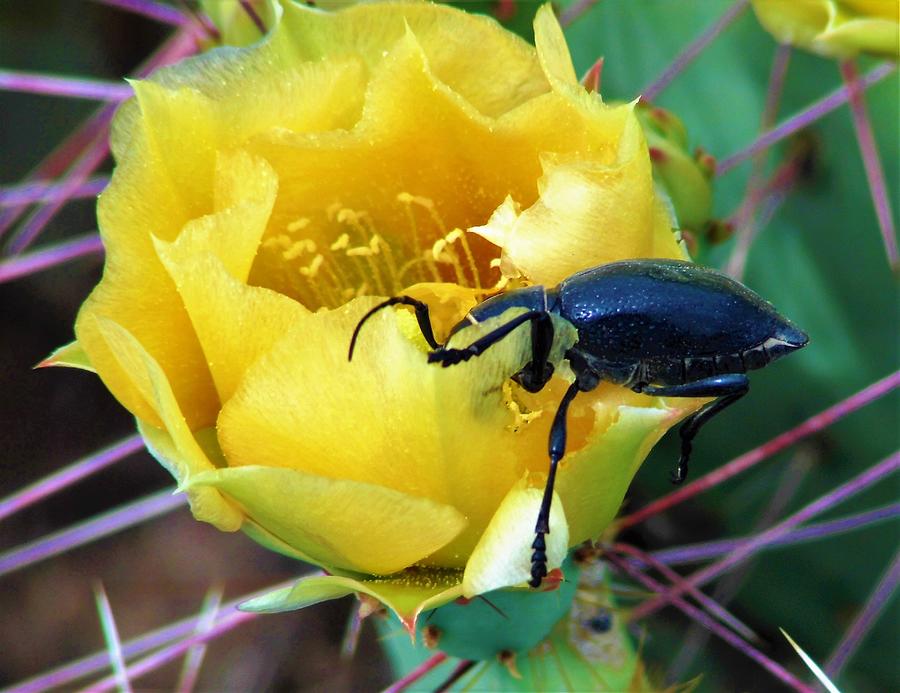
[
  {"x": 266, "y": 196},
  {"x": 835, "y": 28}
]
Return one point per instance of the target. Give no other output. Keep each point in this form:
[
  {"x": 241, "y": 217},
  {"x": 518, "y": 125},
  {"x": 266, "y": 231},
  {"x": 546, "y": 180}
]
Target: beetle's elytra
[{"x": 659, "y": 327}]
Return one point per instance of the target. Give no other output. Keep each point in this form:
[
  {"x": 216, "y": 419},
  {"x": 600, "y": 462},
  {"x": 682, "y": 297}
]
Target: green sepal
[
  {"x": 407, "y": 594},
  {"x": 70, "y": 355}
]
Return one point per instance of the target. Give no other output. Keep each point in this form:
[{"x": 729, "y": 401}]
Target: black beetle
[{"x": 660, "y": 327}]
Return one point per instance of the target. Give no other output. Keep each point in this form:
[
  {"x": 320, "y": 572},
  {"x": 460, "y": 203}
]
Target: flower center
[{"x": 348, "y": 255}]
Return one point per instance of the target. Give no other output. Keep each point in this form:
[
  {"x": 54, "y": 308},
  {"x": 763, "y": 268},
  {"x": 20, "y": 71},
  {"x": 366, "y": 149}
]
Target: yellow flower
[
  {"x": 836, "y": 28},
  {"x": 265, "y": 196}
]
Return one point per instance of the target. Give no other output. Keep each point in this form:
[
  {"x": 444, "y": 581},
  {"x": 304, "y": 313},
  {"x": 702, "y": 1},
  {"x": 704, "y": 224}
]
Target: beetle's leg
[
  {"x": 588, "y": 379},
  {"x": 557, "y": 450},
  {"x": 728, "y": 388},
  {"x": 450, "y": 357},
  {"x": 539, "y": 370},
  {"x": 422, "y": 318}
]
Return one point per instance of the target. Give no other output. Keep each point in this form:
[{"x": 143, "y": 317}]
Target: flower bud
[{"x": 834, "y": 28}]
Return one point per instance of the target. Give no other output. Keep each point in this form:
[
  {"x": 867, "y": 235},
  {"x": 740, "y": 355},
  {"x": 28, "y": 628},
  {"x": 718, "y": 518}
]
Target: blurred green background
[{"x": 821, "y": 260}]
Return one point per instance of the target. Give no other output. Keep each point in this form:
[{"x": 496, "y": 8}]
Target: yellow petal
[
  {"x": 174, "y": 443},
  {"x": 210, "y": 260},
  {"x": 499, "y": 227},
  {"x": 152, "y": 384},
  {"x": 264, "y": 537},
  {"x": 388, "y": 418},
  {"x": 245, "y": 190},
  {"x": 341, "y": 523},
  {"x": 235, "y": 323},
  {"x": 592, "y": 482},
  {"x": 552, "y": 49},
  {"x": 447, "y": 36},
  {"x": 136, "y": 292},
  {"x": 408, "y": 111},
  {"x": 207, "y": 504},
  {"x": 226, "y": 97},
  {"x": 244, "y": 193},
  {"x": 587, "y": 214},
  {"x": 159, "y": 322},
  {"x": 502, "y": 557}
]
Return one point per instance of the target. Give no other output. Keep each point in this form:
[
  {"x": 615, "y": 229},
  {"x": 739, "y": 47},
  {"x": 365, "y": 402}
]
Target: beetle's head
[{"x": 532, "y": 382}]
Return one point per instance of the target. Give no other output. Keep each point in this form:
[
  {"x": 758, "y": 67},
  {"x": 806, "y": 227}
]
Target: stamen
[
  {"x": 391, "y": 262},
  {"x": 408, "y": 265},
  {"x": 458, "y": 234},
  {"x": 385, "y": 249},
  {"x": 455, "y": 235},
  {"x": 342, "y": 280},
  {"x": 343, "y": 271},
  {"x": 406, "y": 199},
  {"x": 502, "y": 281},
  {"x": 442, "y": 252},
  {"x": 359, "y": 260},
  {"x": 340, "y": 289},
  {"x": 427, "y": 204},
  {"x": 351, "y": 218},
  {"x": 310, "y": 272},
  {"x": 470, "y": 258}
]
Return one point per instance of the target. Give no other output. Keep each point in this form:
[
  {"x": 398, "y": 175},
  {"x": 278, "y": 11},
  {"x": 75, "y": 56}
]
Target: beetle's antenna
[
  {"x": 450, "y": 357},
  {"x": 422, "y": 317}
]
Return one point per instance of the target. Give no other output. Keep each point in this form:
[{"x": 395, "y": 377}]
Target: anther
[
  {"x": 342, "y": 242},
  {"x": 298, "y": 224},
  {"x": 313, "y": 267}
]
